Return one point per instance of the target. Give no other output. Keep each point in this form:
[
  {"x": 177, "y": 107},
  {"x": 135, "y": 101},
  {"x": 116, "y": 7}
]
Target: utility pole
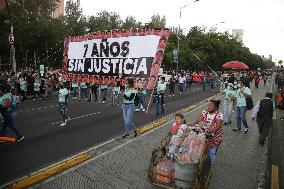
[
  {"x": 47, "y": 61},
  {"x": 12, "y": 47}
]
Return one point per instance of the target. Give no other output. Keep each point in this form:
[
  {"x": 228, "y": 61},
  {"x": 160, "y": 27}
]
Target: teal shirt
[
  {"x": 83, "y": 85},
  {"x": 161, "y": 87},
  {"x": 128, "y": 93},
  {"x": 241, "y": 100},
  {"x": 229, "y": 94},
  {"x": 7, "y": 96},
  {"x": 143, "y": 91},
  {"x": 75, "y": 85},
  {"x": 103, "y": 86},
  {"x": 116, "y": 89},
  {"x": 62, "y": 94},
  {"x": 36, "y": 86}
]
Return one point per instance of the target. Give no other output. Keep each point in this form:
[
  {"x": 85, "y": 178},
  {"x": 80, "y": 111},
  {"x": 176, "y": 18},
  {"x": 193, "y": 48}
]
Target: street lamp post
[
  {"x": 26, "y": 58},
  {"x": 179, "y": 30},
  {"x": 12, "y": 47}
]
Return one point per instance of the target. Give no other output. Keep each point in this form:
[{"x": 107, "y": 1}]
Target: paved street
[
  {"x": 91, "y": 124},
  {"x": 238, "y": 164}
]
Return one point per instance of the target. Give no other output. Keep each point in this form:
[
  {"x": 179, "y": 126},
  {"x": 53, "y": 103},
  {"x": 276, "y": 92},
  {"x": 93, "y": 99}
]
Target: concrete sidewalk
[{"x": 124, "y": 165}]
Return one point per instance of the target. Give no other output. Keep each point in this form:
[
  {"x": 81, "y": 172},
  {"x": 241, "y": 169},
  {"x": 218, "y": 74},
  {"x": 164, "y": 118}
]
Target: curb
[{"x": 68, "y": 163}]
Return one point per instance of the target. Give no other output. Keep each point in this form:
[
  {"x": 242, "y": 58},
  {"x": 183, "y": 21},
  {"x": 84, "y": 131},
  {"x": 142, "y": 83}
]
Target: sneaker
[
  {"x": 173, "y": 94},
  {"x": 125, "y": 136},
  {"x": 246, "y": 131},
  {"x": 20, "y": 138},
  {"x": 137, "y": 110},
  {"x": 170, "y": 95},
  {"x": 117, "y": 105},
  {"x": 135, "y": 133},
  {"x": 68, "y": 119},
  {"x": 63, "y": 124},
  {"x": 236, "y": 129},
  {"x": 104, "y": 102},
  {"x": 143, "y": 110}
]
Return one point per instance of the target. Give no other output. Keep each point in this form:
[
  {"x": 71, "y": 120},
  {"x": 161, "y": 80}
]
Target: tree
[
  {"x": 157, "y": 21},
  {"x": 104, "y": 21},
  {"x": 130, "y": 22}
]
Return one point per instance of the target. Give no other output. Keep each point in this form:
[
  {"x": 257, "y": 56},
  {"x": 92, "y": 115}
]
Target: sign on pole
[
  {"x": 41, "y": 69},
  {"x": 175, "y": 54},
  {"x": 280, "y": 62},
  {"x": 101, "y": 57},
  {"x": 11, "y": 38}
]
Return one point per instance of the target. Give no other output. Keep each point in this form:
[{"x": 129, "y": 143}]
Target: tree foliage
[{"x": 38, "y": 34}]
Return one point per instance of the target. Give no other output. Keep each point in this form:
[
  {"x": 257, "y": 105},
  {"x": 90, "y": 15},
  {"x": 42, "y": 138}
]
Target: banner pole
[
  {"x": 148, "y": 106},
  {"x": 79, "y": 93},
  {"x": 99, "y": 93}
]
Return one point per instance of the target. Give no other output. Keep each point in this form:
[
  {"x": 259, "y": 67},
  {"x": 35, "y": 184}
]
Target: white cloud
[{"x": 262, "y": 20}]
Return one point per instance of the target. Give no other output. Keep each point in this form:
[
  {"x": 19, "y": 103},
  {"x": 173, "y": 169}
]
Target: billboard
[{"x": 105, "y": 57}]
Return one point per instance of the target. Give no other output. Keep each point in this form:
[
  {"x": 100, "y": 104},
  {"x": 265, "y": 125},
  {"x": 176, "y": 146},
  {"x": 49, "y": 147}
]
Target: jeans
[
  {"x": 241, "y": 116},
  {"x": 128, "y": 112},
  {"x": 159, "y": 101},
  {"x": 10, "y": 121},
  {"x": 264, "y": 125},
  {"x": 74, "y": 91},
  {"x": 181, "y": 86},
  {"x": 104, "y": 93},
  {"x": 63, "y": 111},
  {"x": 116, "y": 98},
  {"x": 84, "y": 93},
  {"x": 228, "y": 105},
  {"x": 212, "y": 154},
  {"x": 142, "y": 101}
]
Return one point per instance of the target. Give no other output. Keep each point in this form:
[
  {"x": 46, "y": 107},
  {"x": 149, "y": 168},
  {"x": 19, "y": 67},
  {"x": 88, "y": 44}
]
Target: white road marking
[
  {"x": 33, "y": 109},
  {"x": 78, "y": 117}
]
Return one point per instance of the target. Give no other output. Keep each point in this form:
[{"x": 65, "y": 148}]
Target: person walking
[
  {"x": 116, "y": 92},
  {"x": 84, "y": 91},
  {"x": 74, "y": 86},
  {"x": 9, "y": 105},
  {"x": 263, "y": 113},
  {"x": 128, "y": 109},
  {"x": 181, "y": 81},
  {"x": 104, "y": 92},
  {"x": 159, "y": 99},
  {"x": 37, "y": 85},
  {"x": 63, "y": 102},
  {"x": 230, "y": 96},
  {"x": 242, "y": 93},
  {"x": 213, "y": 120},
  {"x": 172, "y": 84}
]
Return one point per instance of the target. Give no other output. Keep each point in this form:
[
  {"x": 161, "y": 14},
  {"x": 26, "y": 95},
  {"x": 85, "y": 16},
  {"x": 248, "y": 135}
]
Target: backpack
[{"x": 249, "y": 103}]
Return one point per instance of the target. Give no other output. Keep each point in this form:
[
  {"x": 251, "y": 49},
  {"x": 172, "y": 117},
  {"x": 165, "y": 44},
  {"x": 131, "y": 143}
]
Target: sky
[{"x": 261, "y": 20}]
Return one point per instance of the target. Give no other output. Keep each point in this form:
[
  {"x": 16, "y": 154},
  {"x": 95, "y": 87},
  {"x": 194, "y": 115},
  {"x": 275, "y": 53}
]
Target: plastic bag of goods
[
  {"x": 185, "y": 174},
  {"x": 165, "y": 171}
]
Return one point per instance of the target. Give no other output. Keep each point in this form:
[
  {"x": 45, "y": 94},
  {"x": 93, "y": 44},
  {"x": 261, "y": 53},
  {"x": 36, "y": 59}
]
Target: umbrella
[{"x": 235, "y": 65}]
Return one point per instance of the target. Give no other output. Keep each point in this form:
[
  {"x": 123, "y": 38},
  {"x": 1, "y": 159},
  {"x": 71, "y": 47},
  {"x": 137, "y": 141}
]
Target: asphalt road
[{"x": 92, "y": 123}]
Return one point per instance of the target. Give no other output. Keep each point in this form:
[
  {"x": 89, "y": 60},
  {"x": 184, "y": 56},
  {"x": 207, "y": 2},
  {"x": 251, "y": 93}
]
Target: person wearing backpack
[
  {"x": 243, "y": 95},
  {"x": 263, "y": 112}
]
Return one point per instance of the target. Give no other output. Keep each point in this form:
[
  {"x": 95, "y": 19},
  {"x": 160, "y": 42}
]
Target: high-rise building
[
  {"x": 59, "y": 9},
  {"x": 238, "y": 33}
]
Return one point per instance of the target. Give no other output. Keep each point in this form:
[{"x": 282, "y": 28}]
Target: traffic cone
[{"x": 8, "y": 139}]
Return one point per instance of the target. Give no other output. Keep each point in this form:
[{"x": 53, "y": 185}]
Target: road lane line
[
  {"x": 274, "y": 177},
  {"x": 51, "y": 171},
  {"x": 78, "y": 117},
  {"x": 50, "y": 177}
]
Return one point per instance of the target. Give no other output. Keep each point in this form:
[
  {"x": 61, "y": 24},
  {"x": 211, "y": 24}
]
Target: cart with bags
[{"x": 185, "y": 165}]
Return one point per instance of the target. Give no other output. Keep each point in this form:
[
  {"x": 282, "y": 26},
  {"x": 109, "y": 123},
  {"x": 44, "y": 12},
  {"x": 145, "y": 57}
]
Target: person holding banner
[{"x": 128, "y": 108}]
